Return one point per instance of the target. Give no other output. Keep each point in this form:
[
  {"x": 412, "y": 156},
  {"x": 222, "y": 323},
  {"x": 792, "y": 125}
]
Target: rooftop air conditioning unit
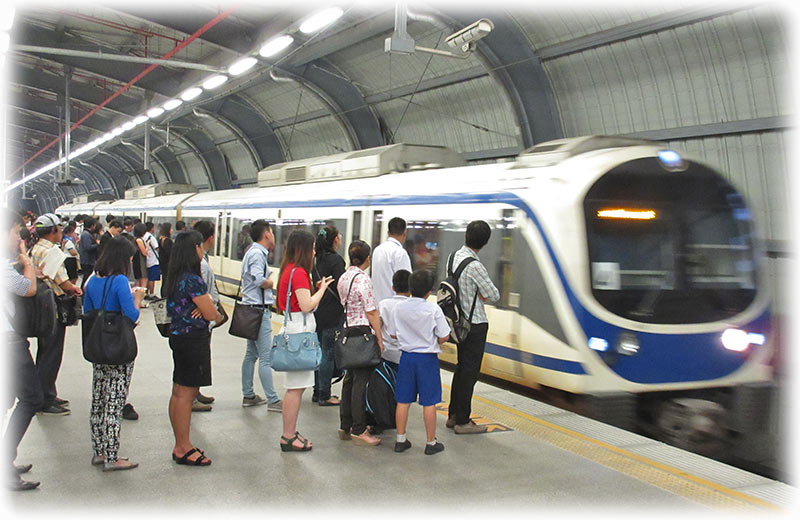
[{"x": 158, "y": 190}]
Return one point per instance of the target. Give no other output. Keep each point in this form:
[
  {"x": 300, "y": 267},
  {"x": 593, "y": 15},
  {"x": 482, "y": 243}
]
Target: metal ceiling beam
[
  {"x": 100, "y": 55},
  {"x": 748, "y": 126},
  {"x": 344, "y": 100},
  {"x": 664, "y": 22}
]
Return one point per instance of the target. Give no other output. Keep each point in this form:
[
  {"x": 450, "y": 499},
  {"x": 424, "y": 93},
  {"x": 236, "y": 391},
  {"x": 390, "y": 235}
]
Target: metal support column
[
  {"x": 147, "y": 147},
  {"x": 67, "y": 122}
]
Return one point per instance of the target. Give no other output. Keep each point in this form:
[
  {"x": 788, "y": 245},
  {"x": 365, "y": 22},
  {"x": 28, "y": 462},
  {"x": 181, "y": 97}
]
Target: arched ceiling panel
[
  {"x": 238, "y": 159},
  {"x": 466, "y": 117},
  {"x": 322, "y": 136}
]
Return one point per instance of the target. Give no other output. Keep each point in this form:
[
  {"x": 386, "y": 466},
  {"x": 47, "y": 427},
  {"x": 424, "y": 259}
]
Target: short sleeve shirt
[
  {"x": 419, "y": 323},
  {"x": 300, "y": 280},
  {"x": 151, "y": 244},
  {"x": 180, "y": 305},
  {"x": 361, "y": 298},
  {"x": 38, "y": 252}
]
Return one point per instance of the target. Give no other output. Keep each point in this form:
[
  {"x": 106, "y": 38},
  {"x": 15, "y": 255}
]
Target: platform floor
[{"x": 546, "y": 459}]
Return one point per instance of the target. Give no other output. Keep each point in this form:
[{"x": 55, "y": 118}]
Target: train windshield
[{"x": 669, "y": 247}]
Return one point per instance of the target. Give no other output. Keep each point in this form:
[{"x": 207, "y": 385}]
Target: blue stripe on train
[{"x": 661, "y": 358}]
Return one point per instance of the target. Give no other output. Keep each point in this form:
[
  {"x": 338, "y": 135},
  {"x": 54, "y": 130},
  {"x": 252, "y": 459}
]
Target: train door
[{"x": 224, "y": 250}]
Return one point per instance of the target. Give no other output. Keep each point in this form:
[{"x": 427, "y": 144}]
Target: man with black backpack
[
  {"x": 51, "y": 348},
  {"x": 474, "y": 287}
]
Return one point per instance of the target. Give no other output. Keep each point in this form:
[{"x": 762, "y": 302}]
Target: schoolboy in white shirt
[
  {"x": 421, "y": 329},
  {"x": 391, "y": 349}
]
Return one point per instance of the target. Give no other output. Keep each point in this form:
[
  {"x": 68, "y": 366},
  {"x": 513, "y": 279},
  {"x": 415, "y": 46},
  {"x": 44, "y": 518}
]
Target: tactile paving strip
[{"x": 665, "y": 477}]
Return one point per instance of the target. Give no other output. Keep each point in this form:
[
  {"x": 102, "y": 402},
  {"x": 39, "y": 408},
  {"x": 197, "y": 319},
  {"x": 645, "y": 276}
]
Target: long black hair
[
  {"x": 299, "y": 251},
  {"x": 325, "y": 239},
  {"x": 182, "y": 259},
  {"x": 116, "y": 257}
]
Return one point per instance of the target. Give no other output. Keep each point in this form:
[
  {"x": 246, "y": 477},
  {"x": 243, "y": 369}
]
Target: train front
[{"x": 677, "y": 271}]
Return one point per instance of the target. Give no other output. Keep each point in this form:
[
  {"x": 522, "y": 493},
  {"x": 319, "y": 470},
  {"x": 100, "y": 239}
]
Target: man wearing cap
[{"x": 51, "y": 349}]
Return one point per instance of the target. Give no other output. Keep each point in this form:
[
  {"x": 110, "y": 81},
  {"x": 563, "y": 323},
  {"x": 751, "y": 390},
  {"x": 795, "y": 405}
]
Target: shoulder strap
[
  {"x": 347, "y": 300},
  {"x": 450, "y": 264},
  {"x": 149, "y": 243},
  {"x": 463, "y": 265},
  {"x": 105, "y": 293}
]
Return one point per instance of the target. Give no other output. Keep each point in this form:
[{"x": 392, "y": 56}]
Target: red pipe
[{"x": 139, "y": 76}]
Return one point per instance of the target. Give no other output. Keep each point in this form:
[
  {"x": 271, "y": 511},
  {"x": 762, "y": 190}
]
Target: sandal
[
  {"x": 289, "y": 444},
  {"x": 333, "y": 401},
  {"x": 202, "y": 460}
]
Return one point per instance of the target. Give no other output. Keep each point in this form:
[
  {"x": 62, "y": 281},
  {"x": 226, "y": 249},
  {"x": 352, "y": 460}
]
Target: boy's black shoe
[
  {"x": 433, "y": 450},
  {"x": 400, "y": 447},
  {"x": 129, "y": 413}
]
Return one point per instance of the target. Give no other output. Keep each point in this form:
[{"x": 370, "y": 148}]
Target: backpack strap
[{"x": 463, "y": 265}]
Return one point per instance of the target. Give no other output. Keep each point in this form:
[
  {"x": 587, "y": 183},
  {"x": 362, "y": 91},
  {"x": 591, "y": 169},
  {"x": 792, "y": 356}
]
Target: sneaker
[
  {"x": 61, "y": 402},
  {"x": 434, "y": 449},
  {"x": 314, "y": 399},
  {"x": 129, "y": 413},
  {"x": 53, "y": 409},
  {"x": 197, "y": 406},
  {"x": 205, "y": 399},
  {"x": 470, "y": 427},
  {"x": 400, "y": 447},
  {"x": 451, "y": 422},
  {"x": 277, "y": 406},
  {"x": 24, "y": 468},
  {"x": 253, "y": 401}
]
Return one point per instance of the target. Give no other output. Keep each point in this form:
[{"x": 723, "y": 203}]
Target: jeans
[
  {"x": 260, "y": 349},
  {"x": 323, "y": 375},
  {"x": 26, "y": 387},
  {"x": 470, "y": 355},
  {"x": 48, "y": 362},
  {"x": 353, "y": 409}
]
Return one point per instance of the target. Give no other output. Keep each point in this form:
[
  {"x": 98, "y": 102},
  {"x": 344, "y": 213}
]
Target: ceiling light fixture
[
  {"x": 7, "y": 18},
  {"x": 140, "y": 119},
  {"x": 155, "y": 112},
  {"x": 321, "y": 19},
  {"x": 275, "y": 45},
  {"x": 128, "y": 126},
  {"x": 215, "y": 81},
  {"x": 191, "y": 93},
  {"x": 242, "y": 66},
  {"x": 172, "y": 104},
  {"x": 118, "y": 130}
]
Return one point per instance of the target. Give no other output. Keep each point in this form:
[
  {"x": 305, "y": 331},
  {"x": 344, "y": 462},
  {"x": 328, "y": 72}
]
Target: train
[{"x": 631, "y": 277}]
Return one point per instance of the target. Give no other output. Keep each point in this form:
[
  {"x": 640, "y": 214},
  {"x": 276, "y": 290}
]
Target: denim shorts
[{"x": 419, "y": 374}]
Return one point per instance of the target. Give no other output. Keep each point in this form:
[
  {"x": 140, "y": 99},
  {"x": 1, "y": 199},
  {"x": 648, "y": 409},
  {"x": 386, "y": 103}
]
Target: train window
[
  {"x": 422, "y": 243},
  {"x": 283, "y": 231},
  {"x": 240, "y": 239},
  {"x": 377, "y": 224},
  {"x": 666, "y": 248}
]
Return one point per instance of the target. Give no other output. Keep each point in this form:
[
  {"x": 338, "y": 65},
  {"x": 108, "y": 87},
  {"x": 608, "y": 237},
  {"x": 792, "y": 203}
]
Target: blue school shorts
[
  {"x": 154, "y": 273},
  {"x": 419, "y": 374}
]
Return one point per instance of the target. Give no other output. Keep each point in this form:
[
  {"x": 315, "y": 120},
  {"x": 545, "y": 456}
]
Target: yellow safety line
[{"x": 629, "y": 454}]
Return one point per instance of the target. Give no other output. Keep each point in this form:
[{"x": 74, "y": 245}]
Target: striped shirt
[
  {"x": 474, "y": 278},
  {"x": 18, "y": 285},
  {"x": 38, "y": 253}
]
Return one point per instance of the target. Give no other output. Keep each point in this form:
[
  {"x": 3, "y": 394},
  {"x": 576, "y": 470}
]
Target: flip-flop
[{"x": 202, "y": 460}]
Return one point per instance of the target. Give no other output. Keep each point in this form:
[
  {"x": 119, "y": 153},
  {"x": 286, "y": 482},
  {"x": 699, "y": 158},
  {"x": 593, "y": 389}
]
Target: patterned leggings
[{"x": 109, "y": 394}]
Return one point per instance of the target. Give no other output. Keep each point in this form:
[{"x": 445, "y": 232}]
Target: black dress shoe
[
  {"x": 24, "y": 468},
  {"x": 61, "y": 402},
  {"x": 22, "y": 485},
  {"x": 129, "y": 413},
  {"x": 53, "y": 409}
]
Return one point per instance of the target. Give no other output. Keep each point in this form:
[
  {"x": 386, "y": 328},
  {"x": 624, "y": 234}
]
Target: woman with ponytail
[{"x": 330, "y": 313}]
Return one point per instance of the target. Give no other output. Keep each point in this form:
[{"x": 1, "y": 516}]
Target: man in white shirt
[
  {"x": 421, "y": 329},
  {"x": 153, "y": 264},
  {"x": 391, "y": 349},
  {"x": 388, "y": 258}
]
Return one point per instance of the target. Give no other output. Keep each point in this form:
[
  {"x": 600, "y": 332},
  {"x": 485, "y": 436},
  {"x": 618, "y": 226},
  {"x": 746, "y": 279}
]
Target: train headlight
[
  {"x": 627, "y": 344},
  {"x": 598, "y": 344},
  {"x": 672, "y": 161},
  {"x": 738, "y": 340}
]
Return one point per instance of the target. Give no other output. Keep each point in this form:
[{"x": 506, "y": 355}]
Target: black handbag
[
  {"x": 246, "y": 319},
  {"x": 108, "y": 337},
  {"x": 355, "y": 347},
  {"x": 36, "y": 316},
  {"x": 69, "y": 309},
  {"x": 221, "y": 310}
]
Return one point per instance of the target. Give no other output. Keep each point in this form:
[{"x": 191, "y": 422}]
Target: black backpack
[
  {"x": 447, "y": 297},
  {"x": 379, "y": 397},
  {"x": 35, "y": 316}
]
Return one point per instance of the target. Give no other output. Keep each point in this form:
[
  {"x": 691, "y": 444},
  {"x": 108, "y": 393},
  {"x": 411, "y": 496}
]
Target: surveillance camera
[{"x": 466, "y": 37}]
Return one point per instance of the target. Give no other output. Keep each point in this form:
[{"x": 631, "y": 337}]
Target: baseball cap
[{"x": 47, "y": 220}]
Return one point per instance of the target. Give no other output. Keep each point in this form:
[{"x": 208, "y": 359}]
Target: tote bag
[
  {"x": 355, "y": 347},
  {"x": 108, "y": 337},
  {"x": 295, "y": 352}
]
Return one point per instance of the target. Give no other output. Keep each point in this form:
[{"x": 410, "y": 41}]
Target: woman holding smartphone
[{"x": 296, "y": 264}]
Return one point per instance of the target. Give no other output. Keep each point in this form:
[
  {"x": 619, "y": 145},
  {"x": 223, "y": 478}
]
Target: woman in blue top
[
  {"x": 111, "y": 382},
  {"x": 190, "y": 308}
]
